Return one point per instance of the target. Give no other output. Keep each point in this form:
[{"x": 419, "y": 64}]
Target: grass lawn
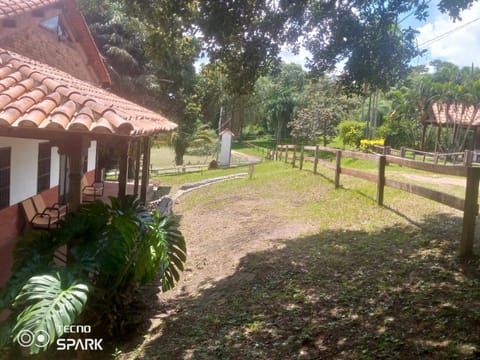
[
  {"x": 164, "y": 157},
  {"x": 282, "y": 266}
]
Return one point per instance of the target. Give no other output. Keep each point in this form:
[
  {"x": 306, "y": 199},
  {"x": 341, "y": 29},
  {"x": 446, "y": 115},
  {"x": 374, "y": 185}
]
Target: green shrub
[{"x": 351, "y": 132}]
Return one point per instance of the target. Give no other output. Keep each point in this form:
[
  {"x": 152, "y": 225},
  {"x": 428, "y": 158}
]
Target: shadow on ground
[{"x": 400, "y": 293}]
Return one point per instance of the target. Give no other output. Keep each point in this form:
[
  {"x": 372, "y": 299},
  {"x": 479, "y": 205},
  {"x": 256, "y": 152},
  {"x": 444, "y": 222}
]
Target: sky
[{"x": 456, "y": 42}]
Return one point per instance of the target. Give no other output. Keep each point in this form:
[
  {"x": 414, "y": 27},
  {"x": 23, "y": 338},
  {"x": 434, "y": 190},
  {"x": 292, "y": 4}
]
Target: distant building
[
  {"x": 226, "y": 148},
  {"x": 455, "y": 116}
]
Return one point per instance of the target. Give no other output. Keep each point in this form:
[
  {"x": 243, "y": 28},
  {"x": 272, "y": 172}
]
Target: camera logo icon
[{"x": 27, "y": 338}]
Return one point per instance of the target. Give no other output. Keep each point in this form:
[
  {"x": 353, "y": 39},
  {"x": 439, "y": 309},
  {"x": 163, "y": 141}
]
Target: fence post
[
  {"x": 381, "y": 179},
  {"x": 470, "y": 212},
  {"x": 315, "y": 162},
  {"x": 468, "y": 158},
  {"x": 302, "y": 155},
  {"x": 402, "y": 151},
  {"x": 338, "y": 168},
  {"x": 286, "y": 154},
  {"x": 294, "y": 156}
]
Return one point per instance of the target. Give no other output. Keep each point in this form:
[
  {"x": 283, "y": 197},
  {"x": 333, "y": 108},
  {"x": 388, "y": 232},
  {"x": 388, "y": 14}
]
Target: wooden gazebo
[{"x": 454, "y": 116}]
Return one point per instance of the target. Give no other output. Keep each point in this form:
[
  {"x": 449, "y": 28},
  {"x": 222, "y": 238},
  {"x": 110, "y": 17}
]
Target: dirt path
[
  {"x": 246, "y": 157},
  {"x": 435, "y": 179},
  {"x": 218, "y": 238}
]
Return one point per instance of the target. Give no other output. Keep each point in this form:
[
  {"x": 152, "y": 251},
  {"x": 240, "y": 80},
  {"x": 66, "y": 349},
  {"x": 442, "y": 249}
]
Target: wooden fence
[
  {"x": 469, "y": 204},
  {"x": 465, "y": 158}
]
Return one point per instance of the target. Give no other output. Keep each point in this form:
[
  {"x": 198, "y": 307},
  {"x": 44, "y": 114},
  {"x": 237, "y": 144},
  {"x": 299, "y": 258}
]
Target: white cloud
[
  {"x": 458, "y": 42},
  {"x": 300, "y": 58}
]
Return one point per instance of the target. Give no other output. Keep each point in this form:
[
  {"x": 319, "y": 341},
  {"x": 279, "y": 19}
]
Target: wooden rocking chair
[
  {"x": 56, "y": 210},
  {"x": 38, "y": 220},
  {"x": 91, "y": 192}
]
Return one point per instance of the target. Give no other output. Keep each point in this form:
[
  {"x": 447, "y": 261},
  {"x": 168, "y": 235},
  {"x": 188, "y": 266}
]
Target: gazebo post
[
  {"x": 138, "y": 154},
  {"x": 145, "y": 168},
  {"x": 424, "y": 131},
  {"x": 123, "y": 146},
  {"x": 437, "y": 140}
]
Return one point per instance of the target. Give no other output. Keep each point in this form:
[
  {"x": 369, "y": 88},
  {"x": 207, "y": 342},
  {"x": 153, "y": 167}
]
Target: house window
[
  {"x": 44, "y": 160},
  {"x": 54, "y": 25},
  {"x": 5, "y": 177}
]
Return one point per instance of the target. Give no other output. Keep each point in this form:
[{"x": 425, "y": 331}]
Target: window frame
[
  {"x": 44, "y": 165},
  {"x": 5, "y": 188}
]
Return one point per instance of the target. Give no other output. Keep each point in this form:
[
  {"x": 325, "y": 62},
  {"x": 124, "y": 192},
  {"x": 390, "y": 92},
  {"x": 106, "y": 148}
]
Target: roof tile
[
  {"x": 83, "y": 121},
  {"x": 63, "y": 114},
  {"x": 5, "y": 71},
  {"x": 454, "y": 113},
  {"x": 21, "y": 105},
  {"x": 33, "y": 119},
  {"x": 102, "y": 126},
  {"x": 9, "y": 116},
  {"x": 9, "y": 8}
]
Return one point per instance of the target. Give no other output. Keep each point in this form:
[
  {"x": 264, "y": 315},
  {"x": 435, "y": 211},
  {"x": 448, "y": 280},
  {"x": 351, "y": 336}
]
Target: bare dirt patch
[
  {"x": 435, "y": 179},
  {"x": 220, "y": 236}
]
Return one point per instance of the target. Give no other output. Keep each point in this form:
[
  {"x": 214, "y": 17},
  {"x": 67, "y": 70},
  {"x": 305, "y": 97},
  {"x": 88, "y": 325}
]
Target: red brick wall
[
  {"x": 12, "y": 223},
  {"x": 42, "y": 45}
]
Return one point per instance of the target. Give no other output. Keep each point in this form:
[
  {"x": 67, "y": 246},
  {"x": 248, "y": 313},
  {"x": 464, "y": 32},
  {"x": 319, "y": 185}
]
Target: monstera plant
[{"x": 112, "y": 249}]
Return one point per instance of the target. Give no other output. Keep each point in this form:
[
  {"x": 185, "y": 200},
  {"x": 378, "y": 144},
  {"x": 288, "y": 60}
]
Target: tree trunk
[
  {"x": 237, "y": 115},
  {"x": 180, "y": 150}
]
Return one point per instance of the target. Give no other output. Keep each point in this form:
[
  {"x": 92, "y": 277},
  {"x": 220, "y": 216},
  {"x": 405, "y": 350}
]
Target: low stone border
[
  {"x": 199, "y": 184},
  {"x": 165, "y": 204}
]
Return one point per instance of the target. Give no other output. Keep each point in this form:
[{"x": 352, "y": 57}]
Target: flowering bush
[{"x": 369, "y": 145}]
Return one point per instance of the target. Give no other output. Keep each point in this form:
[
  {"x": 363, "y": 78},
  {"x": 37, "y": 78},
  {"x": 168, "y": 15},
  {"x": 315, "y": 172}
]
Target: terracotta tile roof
[
  {"x": 35, "y": 95},
  {"x": 10, "y": 8},
  {"x": 456, "y": 113}
]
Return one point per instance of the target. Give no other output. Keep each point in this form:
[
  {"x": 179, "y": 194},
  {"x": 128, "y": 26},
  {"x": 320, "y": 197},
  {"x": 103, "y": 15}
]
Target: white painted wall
[
  {"x": 24, "y": 163},
  {"x": 92, "y": 156},
  {"x": 23, "y": 170},
  {"x": 225, "y": 149},
  {"x": 54, "y": 167}
]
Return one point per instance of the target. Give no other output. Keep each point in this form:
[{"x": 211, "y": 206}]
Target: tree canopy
[
  {"x": 247, "y": 36},
  {"x": 153, "y": 46}
]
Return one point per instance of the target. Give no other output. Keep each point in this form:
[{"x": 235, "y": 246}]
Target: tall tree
[
  {"x": 247, "y": 35},
  {"x": 323, "y": 109}
]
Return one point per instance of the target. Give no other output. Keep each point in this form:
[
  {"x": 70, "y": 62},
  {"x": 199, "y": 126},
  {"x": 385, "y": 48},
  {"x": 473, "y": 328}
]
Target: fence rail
[
  {"x": 465, "y": 158},
  {"x": 468, "y": 204}
]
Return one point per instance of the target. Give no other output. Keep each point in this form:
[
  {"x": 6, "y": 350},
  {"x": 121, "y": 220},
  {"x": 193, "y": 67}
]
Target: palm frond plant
[{"x": 113, "y": 249}]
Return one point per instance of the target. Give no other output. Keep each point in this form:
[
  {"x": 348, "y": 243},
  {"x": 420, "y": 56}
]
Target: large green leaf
[
  {"x": 33, "y": 255},
  {"x": 168, "y": 249},
  {"x": 50, "y": 303}
]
